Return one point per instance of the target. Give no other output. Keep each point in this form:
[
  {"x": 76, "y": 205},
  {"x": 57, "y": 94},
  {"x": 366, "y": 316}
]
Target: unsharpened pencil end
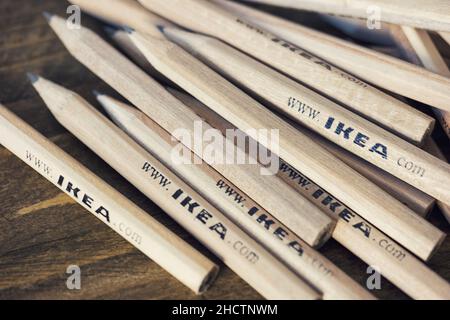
[
  {"x": 47, "y": 15},
  {"x": 32, "y": 77}
]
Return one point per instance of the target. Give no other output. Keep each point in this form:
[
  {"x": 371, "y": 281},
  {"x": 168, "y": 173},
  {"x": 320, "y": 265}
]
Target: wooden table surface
[{"x": 43, "y": 231}]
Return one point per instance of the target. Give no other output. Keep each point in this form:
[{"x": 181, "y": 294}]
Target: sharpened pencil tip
[
  {"x": 32, "y": 77},
  {"x": 128, "y": 30},
  {"x": 97, "y": 94},
  {"x": 47, "y": 15}
]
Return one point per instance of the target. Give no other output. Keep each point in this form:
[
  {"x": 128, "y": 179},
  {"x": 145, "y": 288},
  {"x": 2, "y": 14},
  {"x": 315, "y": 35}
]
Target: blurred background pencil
[{"x": 430, "y": 14}]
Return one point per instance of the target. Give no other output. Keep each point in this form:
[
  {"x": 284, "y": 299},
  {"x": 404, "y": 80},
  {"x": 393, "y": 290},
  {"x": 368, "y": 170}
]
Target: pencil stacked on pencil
[
  {"x": 105, "y": 203},
  {"x": 348, "y": 157},
  {"x": 242, "y": 254}
]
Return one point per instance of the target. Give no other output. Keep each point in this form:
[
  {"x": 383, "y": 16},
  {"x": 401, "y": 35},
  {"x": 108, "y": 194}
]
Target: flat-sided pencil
[
  {"x": 105, "y": 203},
  {"x": 356, "y": 234},
  {"x": 416, "y": 200},
  {"x": 122, "y": 40},
  {"x": 432, "y": 60},
  {"x": 445, "y": 36},
  {"x": 210, "y": 18},
  {"x": 430, "y": 14},
  {"x": 303, "y": 218},
  {"x": 321, "y": 115},
  {"x": 387, "y": 72},
  {"x": 235, "y": 248},
  {"x": 391, "y": 216},
  {"x": 241, "y": 209}
]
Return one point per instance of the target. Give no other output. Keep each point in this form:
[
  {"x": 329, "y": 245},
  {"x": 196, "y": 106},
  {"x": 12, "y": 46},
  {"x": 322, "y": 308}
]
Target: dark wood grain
[{"x": 42, "y": 231}]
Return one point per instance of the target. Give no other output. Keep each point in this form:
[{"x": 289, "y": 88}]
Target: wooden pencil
[
  {"x": 391, "y": 216},
  {"x": 303, "y": 218},
  {"x": 136, "y": 226},
  {"x": 121, "y": 38},
  {"x": 235, "y": 248},
  {"x": 210, "y": 18},
  {"x": 319, "y": 114},
  {"x": 445, "y": 36},
  {"x": 431, "y": 147},
  {"x": 126, "y": 13},
  {"x": 382, "y": 70},
  {"x": 356, "y": 234},
  {"x": 430, "y": 14},
  {"x": 416, "y": 200},
  {"x": 432, "y": 60},
  {"x": 242, "y": 210}
]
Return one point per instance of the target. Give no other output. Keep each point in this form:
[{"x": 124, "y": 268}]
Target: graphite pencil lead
[
  {"x": 32, "y": 77},
  {"x": 47, "y": 15}
]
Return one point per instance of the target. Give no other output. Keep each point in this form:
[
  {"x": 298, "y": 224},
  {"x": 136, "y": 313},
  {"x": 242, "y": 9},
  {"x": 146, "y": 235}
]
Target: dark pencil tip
[
  {"x": 161, "y": 27},
  {"x": 110, "y": 31},
  {"x": 47, "y": 15},
  {"x": 128, "y": 30},
  {"x": 96, "y": 93},
  {"x": 32, "y": 77}
]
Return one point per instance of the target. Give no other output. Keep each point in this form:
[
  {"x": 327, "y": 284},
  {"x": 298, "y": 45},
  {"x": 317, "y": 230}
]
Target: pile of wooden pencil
[{"x": 355, "y": 160}]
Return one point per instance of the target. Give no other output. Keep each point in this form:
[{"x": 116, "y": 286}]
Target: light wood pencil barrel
[
  {"x": 416, "y": 200},
  {"x": 430, "y": 14},
  {"x": 382, "y": 70},
  {"x": 235, "y": 248},
  {"x": 105, "y": 203},
  {"x": 303, "y": 218},
  {"x": 346, "y": 129},
  {"x": 207, "y": 17},
  {"x": 225, "y": 196},
  {"x": 358, "y": 235},
  {"x": 391, "y": 216}
]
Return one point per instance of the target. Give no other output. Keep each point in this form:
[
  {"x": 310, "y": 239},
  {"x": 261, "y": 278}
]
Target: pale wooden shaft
[
  {"x": 445, "y": 36},
  {"x": 318, "y": 113},
  {"x": 294, "y": 61},
  {"x": 429, "y": 14},
  {"x": 402, "y": 78},
  {"x": 117, "y": 212},
  {"x": 237, "y": 250},
  {"x": 416, "y": 200},
  {"x": 122, "y": 39},
  {"x": 256, "y": 221},
  {"x": 363, "y": 239},
  {"x": 432, "y": 60},
  {"x": 431, "y": 147},
  {"x": 341, "y": 52},
  {"x": 303, "y": 218},
  {"x": 379, "y": 207}
]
